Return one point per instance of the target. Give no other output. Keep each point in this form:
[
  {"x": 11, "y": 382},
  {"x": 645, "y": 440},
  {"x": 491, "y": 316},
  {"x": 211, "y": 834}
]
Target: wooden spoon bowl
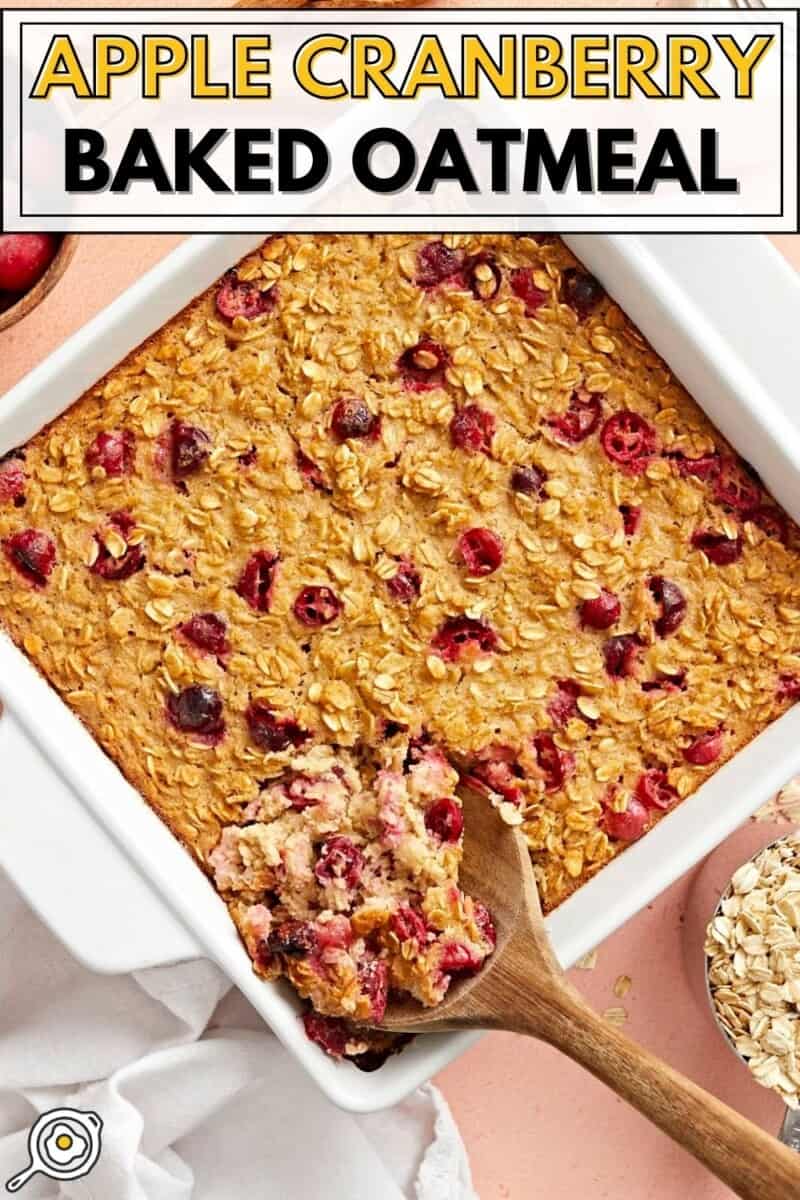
[
  {"x": 522, "y": 988},
  {"x": 44, "y": 284}
]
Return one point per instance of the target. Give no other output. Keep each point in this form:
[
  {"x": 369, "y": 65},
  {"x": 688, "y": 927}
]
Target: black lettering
[
  {"x": 191, "y": 160},
  {"x": 499, "y": 140},
  {"x": 83, "y": 151},
  {"x": 406, "y": 160},
  {"x": 247, "y": 160},
  {"x": 575, "y": 157},
  {"x": 666, "y": 161},
  {"x": 438, "y": 169},
  {"x": 288, "y": 178},
  {"x": 610, "y": 160},
  {"x": 710, "y": 180},
  {"x": 149, "y": 170}
]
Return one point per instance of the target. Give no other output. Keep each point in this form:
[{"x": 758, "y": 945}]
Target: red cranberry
[
  {"x": 717, "y": 547},
  {"x": 373, "y": 978},
  {"x": 316, "y": 606},
  {"x": 483, "y": 276},
  {"x": 436, "y": 263},
  {"x": 704, "y": 467},
  {"x": 444, "y": 820},
  {"x": 472, "y": 429},
  {"x": 406, "y": 584},
  {"x": 207, "y": 632},
  {"x": 271, "y": 733},
  {"x": 582, "y": 417},
  {"x": 24, "y": 258},
  {"x": 335, "y": 933},
  {"x": 789, "y": 687},
  {"x": 621, "y": 655},
  {"x": 522, "y": 285},
  {"x": 257, "y": 580},
  {"x": 353, "y": 419},
  {"x": 458, "y": 633},
  {"x": 249, "y": 458},
  {"x": 705, "y": 749},
  {"x": 339, "y": 860},
  {"x": 114, "y": 451},
  {"x": 629, "y": 440},
  {"x": 483, "y": 919},
  {"x": 302, "y": 793},
  {"x": 631, "y": 518},
  {"x": 528, "y": 481},
  {"x": 771, "y": 520},
  {"x": 666, "y": 683},
  {"x": 197, "y": 709},
  {"x": 330, "y": 1033},
  {"x": 564, "y": 705},
  {"x": 33, "y": 554},
  {"x": 238, "y": 298},
  {"x": 672, "y": 601},
  {"x": 557, "y": 765},
  {"x": 310, "y": 471},
  {"x": 498, "y": 770},
  {"x": 12, "y": 481},
  {"x": 626, "y": 826},
  {"x": 601, "y": 612},
  {"x": 734, "y": 488},
  {"x": 292, "y": 939},
  {"x": 481, "y": 551},
  {"x": 423, "y": 366},
  {"x": 129, "y": 563},
  {"x": 459, "y": 959},
  {"x": 654, "y": 791},
  {"x": 581, "y": 291},
  {"x": 189, "y": 448},
  {"x": 408, "y": 925}
]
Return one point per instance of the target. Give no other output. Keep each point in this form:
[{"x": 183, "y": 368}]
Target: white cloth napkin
[{"x": 198, "y": 1100}]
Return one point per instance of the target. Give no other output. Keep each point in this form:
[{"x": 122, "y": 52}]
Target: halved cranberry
[
  {"x": 528, "y": 481},
  {"x": 483, "y": 919},
  {"x": 317, "y": 606},
  {"x": 601, "y": 612},
  {"x": 373, "y": 979},
  {"x": 353, "y": 418},
  {"x": 461, "y": 633},
  {"x": 472, "y": 429},
  {"x": 406, "y": 584},
  {"x": 581, "y": 291},
  {"x": 557, "y": 765},
  {"x": 771, "y": 520},
  {"x": 190, "y": 446},
  {"x": 654, "y": 790},
  {"x": 564, "y": 705},
  {"x": 483, "y": 276},
  {"x": 705, "y": 749},
  {"x": 717, "y": 547},
  {"x": 582, "y": 417},
  {"x": 197, "y": 709},
  {"x": 292, "y": 939},
  {"x": 128, "y": 563},
  {"x": 334, "y": 933},
  {"x": 497, "y": 769},
  {"x": 631, "y": 518},
  {"x": 12, "y": 481},
  {"x": 704, "y": 467},
  {"x": 459, "y": 959},
  {"x": 238, "y": 298},
  {"x": 626, "y": 826},
  {"x": 672, "y": 601},
  {"x": 789, "y": 687},
  {"x": 436, "y": 263},
  {"x": 629, "y": 440},
  {"x": 340, "y": 859},
  {"x": 423, "y": 366},
  {"x": 329, "y": 1033},
  {"x": 481, "y": 551},
  {"x": 33, "y": 554},
  {"x": 270, "y": 732},
  {"x": 257, "y": 580},
  {"x": 621, "y": 655},
  {"x": 522, "y": 285},
  {"x": 310, "y": 471},
  {"x": 734, "y": 488},
  {"x": 408, "y": 925},
  {"x": 444, "y": 819},
  {"x": 114, "y": 451},
  {"x": 207, "y": 632}
]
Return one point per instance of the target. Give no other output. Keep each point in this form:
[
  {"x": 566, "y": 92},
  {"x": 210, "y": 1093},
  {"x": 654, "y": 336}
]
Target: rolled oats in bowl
[{"x": 753, "y": 964}]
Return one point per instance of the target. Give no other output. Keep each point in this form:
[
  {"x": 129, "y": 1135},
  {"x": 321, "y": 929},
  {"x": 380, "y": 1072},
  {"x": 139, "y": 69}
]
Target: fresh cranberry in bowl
[
  {"x": 31, "y": 264},
  {"x": 272, "y": 733},
  {"x": 317, "y": 606},
  {"x": 600, "y": 612},
  {"x": 33, "y": 554},
  {"x": 239, "y": 298},
  {"x": 481, "y": 551},
  {"x": 472, "y": 429},
  {"x": 629, "y": 441},
  {"x": 114, "y": 451},
  {"x": 257, "y": 581},
  {"x": 353, "y": 419},
  {"x": 197, "y": 709},
  {"x": 444, "y": 819}
]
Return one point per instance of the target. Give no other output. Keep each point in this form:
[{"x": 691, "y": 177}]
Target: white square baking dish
[{"x": 746, "y": 410}]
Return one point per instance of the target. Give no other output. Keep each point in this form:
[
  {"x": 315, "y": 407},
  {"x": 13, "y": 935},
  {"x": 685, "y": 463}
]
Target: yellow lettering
[
  {"x": 162, "y": 55},
  {"x": 112, "y": 56},
  {"x": 245, "y": 66},
  {"x": 744, "y": 62},
  {"x": 636, "y": 57},
  {"x": 683, "y": 69},
  {"x": 478, "y": 61},
  {"x": 61, "y": 68},
  {"x": 429, "y": 68},
  {"x": 585, "y": 66},
  {"x": 304, "y": 62},
  {"x": 543, "y": 59},
  {"x": 372, "y": 57},
  {"x": 202, "y": 87}
]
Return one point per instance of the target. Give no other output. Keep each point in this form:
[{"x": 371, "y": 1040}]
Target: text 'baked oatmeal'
[{"x": 373, "y": 517}]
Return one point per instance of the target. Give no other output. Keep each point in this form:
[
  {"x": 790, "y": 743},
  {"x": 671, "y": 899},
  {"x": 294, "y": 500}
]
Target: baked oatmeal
[{"x": 372, "y": 514}]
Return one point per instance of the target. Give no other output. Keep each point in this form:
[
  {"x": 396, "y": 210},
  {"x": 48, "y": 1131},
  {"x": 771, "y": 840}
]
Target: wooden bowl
[{"x": 28, "y": 302}]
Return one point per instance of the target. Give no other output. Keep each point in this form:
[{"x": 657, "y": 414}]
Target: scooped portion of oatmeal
[{"x": 343, "y": 876}]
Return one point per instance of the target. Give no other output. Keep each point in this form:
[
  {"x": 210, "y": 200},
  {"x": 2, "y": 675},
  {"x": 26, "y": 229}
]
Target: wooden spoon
[{"x": 522, "y": 988}]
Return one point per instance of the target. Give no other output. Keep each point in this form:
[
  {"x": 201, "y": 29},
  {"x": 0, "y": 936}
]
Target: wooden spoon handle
[{"x": 751, "y": 1162}]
